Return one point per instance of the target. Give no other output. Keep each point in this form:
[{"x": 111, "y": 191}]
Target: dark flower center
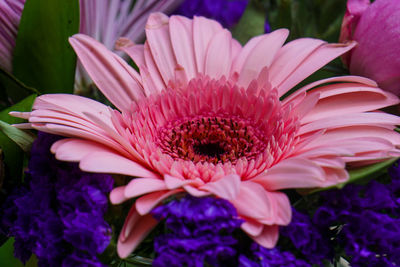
[
  {"x": 211, "y": 150},
  {"x": 211, "y": 139}
]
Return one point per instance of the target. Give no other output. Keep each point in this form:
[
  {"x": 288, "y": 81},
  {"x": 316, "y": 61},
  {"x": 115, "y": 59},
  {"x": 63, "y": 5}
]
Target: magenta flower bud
[{"x": 376, "y": 28}]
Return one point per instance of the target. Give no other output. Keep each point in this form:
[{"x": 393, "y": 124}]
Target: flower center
[
  {"x": 209, "y": 129},
  {"x": 211, "y": 139},
  {"x": 210, "y": 150}
]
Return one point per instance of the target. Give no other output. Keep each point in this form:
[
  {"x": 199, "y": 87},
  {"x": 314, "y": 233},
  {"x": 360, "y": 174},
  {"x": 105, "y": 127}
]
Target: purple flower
[
  {"x": 364, "y": 219},
  {"x": 227, "y": 12},
  {"x": 58, "y": 216},
  {"x": 307, "y": 238},
  {"x": 262, "y": 257},
  {"x": 207, "y": 230},
  {"x": 200, "y": 229}
]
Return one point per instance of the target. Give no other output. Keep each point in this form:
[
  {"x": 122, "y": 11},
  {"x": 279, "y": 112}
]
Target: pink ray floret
[{"x": 205, "y": 116}]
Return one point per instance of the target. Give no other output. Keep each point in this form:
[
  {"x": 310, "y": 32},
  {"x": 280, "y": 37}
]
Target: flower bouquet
[{"x": 212, "y": 136}]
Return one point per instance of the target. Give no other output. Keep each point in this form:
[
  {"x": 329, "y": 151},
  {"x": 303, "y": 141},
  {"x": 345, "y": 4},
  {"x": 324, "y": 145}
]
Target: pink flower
[
  {"x": 376, "y": 28},
  {"x": 10, "y": 14},
  {"x": 205, "y": 117}
]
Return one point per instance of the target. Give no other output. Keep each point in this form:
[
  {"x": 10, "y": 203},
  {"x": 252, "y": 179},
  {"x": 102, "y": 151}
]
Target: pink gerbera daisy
[{"x": 206, "y": 116}]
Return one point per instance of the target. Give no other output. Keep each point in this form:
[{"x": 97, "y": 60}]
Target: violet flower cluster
[
  {"x": 227, "y": 12},
  {"x": 59, "y": 215},
  {"x": 263, "y": 257},
  {"x": 207, "y": 230},
  {"x": 361, "y": 221},
  {"x": 367, "y": 220},
  {"x": 307, "y": 238}
]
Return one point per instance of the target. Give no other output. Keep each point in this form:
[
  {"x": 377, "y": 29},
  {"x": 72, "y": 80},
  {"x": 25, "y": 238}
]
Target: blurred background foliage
[{"x": 304, "y": 18}]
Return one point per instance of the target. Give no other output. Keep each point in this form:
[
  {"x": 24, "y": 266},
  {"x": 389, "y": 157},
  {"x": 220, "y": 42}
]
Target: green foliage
[
  {"x": 251, "y": 23},
  {"x": 13, "y": 155},
  {"x": 43, "y": 58},
  {"x": 23, "y": 139},
  {"x": 307, "y": 18},
  {"x": 12, "y": 90},
  {"x": 8, "y": 260}
]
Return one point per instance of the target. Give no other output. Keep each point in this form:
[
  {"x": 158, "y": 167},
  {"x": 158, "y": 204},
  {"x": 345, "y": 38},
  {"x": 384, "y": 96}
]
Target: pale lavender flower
[
  {"x": 108, "y": 20},
  {"x": 10, "y": 14},
  {"x": 104, "y": 20}
]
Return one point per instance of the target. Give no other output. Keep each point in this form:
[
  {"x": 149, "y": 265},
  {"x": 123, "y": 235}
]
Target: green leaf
[
  {"x": 251, "y": 23},
  {"x": 13, "y": 154},
  {"x": 308, "y": 18},
  {"x": 363, "y": 173},
  {"x": 23, "y": 139},
  {"x": 7, "y": 258},
  {"x": 6, "y": 255},
  {"x": 43, "y": 58},
  {"x": 369, "y": 171},
  {"x": 13, "y": 89}
]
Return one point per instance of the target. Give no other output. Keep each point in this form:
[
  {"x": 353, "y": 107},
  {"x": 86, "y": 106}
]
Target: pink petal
[
  {"x": 159, "y": 41},
  {"x": 291, "y": 173},
  {"x": 334, "y": 176},
  {"x": 348, "y": 98},
  {"x": 134, "y": 51},
  {"x": 71, "y": 104},
  {"x": 252, "y": 227},
  {"x": 182, "y": 42},
  {"x": 114, "y": 134},
  {"x": 307, "y": 104},
  {"x": 269, "y": 236},
  {"x": 319, "y": 56},
  {"x": 370, "y": 118},
  {"x": 219, "y": 55},
  {"x": 204, "y": 31},
  {"x": 261, "y": 55},
  {"x": 140, "y": 186},
  {"x": 281, "y": 208},
  {"x": 350, "y": 79},
  {"x": 253, "y": 202},
  {"x": 354, "y": 132},
  {"x": 196, "y": 192},
  {"x": 289, "y": 57},
  {"x": 110, "y": 162},
  {"x": 79, "y": 133},
  {"x": 72, "y": 149},
  {"x": 366, "y": 144},
  {"x": 173, "y": 183},
  {"x": 227, "y": 187},
  {"x": 154, "y": 78},
  {"x": 114, "y": 77},
  {"x": 135, "y": 229},
  {"x": 117, "y": 195},
  {"x": 146, "y": 203},
  {"x": 238, "y": 62}
]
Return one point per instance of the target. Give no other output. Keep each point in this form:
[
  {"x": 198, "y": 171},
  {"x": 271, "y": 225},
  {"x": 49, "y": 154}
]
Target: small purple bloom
[
  {"x": 227, "y": 12},
  {"x": 364, "y": 219},
  {"x": 200, "y": 229},
  {"x": 58, "y": 216},
  {"x": 262, "y": 257},
  {"x": 307, "y": 238},
  {"x": 267, "y": 26},
  {"x": 206, "y": 229}
]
